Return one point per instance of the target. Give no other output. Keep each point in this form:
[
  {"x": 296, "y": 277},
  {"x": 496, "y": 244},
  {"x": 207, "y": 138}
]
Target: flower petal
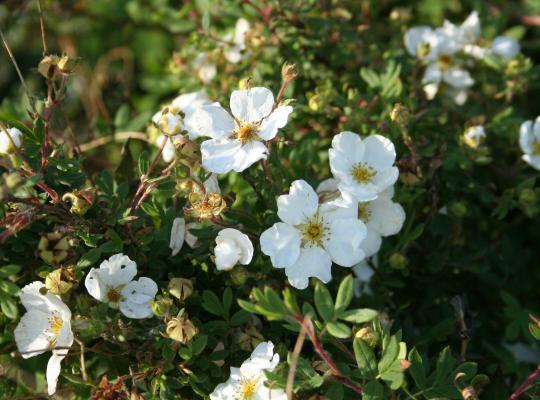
[
  {"x": 251, "y": 105},
  {"x": 505, "y": 47},
  {"x": 380, "y": 152},
  {"x": 458, "y": 78},
  {"x": 137, "y": 296},
  {"x": 276, "y": 120},
  {"x": 349, "y": 145},
  {"x": 118, "y": 270},
  {"x": 387, "y": 217},
  {"x": 232, "y": 247},
  {"x": 415, "y": 37},
  {"x": 299, "y": 205},
  {"x": 282, "y": 243},
  {"x": 249, "y": 154},
  {"x": 313, "y": 262},
  {"x": 372, "y": 243},
  {"x": 343, "y": 245},
  {"x": 526, "y": 137},
  {"x": 471, "y": 28},
  {"x": 213, "y": 121},
  {"x": 220, "y": 155},
  {"x": 30, "y": 334},
  {"x": 178, "y": 232},
  {"x": 53, "y": 371}
]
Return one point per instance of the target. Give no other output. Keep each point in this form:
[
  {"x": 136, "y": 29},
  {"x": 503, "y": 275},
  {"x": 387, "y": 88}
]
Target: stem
[
  {"x": 308, "y": 326},
  {"x": 120, "y": 136},
  {"x": 83, "y": 364},
  {"x": 42, "y": 26},
  {"x": 525, "y": 385},
  {"x": 294, "y": 360}
]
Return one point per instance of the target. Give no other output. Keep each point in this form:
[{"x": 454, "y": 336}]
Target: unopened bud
[
  {"x": 400, "y": 115},
  {"x": 181, "y": 288},
  {"x": 289, "y": 72},
  {"x": 458, "y": 209},
  {"x": 398, "y": 261},
  {"x": 171, "y": 121},
  {"x": 181, "y": 329},
  {"x": 239, "y": 275},
  {"x": 368, "y": 335},
  {"x": 81, "y": 200},
  {"x": 161, "y": 306},
  {"x": 53, "y": 248},
  {"x": 316, "y": 102}
]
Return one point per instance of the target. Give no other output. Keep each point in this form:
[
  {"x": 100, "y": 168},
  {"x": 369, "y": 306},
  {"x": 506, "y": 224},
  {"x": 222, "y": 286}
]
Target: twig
[
  {"x": 326, "y": 358},
  {"x": 525, "y": 385},
  {"x": 120, "y": 136},
  {"x": 83, "y": 364},
  {"x": 294, "y": 359},
  {"x": 16, "y": 66},
  {"x": 42, "y": 26}
]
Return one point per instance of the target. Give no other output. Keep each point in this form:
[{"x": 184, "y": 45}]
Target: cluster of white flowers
[
  {"x": 448, "y": 50},
  {"x": 247, "y": 382},
  {"x": 233, "y": 45},
  {"x": 45, "y": 326},
  {"x": 346, "y": 228},
  {"x": 7, "y": 143},
  {"x": 113, "y": 283},
  {"x": 529, "y": 141}
]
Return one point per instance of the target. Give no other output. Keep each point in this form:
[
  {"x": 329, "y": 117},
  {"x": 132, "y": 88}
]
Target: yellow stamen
[
  {"x": 56, "y": 323},
  {"x": 314, "y": 231},
  {"x": 248, "y": 388},
  {"x": 363, "y": 213},
  {"x": 536, "y": 148},
  {"x": 363, "y": 172},
  {"x": 246, "y": 133},
  {"x": 113, "y": 295},
  {"x": 444, "y": 62}
]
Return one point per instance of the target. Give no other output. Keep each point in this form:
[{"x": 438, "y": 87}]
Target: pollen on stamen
[
  {"x": 248, "y": 388},
  {"x": 363, "y": 172},
  {"x": 245, "y": 133},
  {"x": 113, "y": 295}
]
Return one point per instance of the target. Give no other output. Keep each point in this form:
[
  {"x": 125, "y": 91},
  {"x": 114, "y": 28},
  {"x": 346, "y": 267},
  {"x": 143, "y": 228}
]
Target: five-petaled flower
[
  {"x": 313, "y": 235},
  {"x": 46, "y": 325},
  {"x": 363, "y": 168},
  {"x": 237, "y": 141},
  {"x": 113, "y": 283},
  {"x": 247, "y": 382},
  {"x": 529, "y": 141}
]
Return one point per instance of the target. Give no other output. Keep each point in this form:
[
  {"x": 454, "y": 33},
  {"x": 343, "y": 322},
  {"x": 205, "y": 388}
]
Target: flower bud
[
  {"x": 171, "y": 121},
  {"x": 527, "y": 196},
  {"x": 400, "y": 115},
  {"x": 368, "y": 335},
  {"x": 81, "y": 200},
  {"x": 181, "y": 288},
  {"x": 398, "y": 261},
  {"x": 458, "y": 209},
  {"x": 8, "y": 145},
  {"x": 239, "y": 275},
  {"x": 161, "y": 306},
  {"x": 181, "y": 329},
  {"x": 48, "y": 67},
  {"x": 178, "y": 232},
  {"x": 289, "y": 72},
  {"x": 474, "y": 136},
  {"x": 60, "y": 281},
  {"x": 53, "y": 248},
  {"x": 316, "y": 102}
]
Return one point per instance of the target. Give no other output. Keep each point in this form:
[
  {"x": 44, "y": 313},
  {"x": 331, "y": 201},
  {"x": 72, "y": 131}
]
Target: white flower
[
  {"x": 247, "y": 382},
  {"x": 363, "y": 168},
  {"x": 178, "y": 233},
  {"x": 505, "y": 47},
  {"x": 529, "y": 141},
  {"x": 382, "y": 216},
  {"x": 237, "y": 140},
  {"x": 113, "y": 283},
  {"x": 474, "y": 136},
  {"x": 311, "y": 236},
  {"x": 190, "y": 238},
  {"x": 232, "y": 247},
  {"x": 234, "y": 53},
  {"x": 46, "y": 325},
  {"x": 169, "y": 150},
  {"x": 439, "y": 48},
  {"x": 206, "y": 69},
  {"x": 6, "y": 145},
  {"x": 362, "y": 278}
]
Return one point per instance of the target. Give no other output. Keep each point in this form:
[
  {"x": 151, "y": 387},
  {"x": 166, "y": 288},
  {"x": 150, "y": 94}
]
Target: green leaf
[
  {"x": 8, "y": 270},
  {"x": 390, "y": 354},
  {"x": 239, "y": 318},
  {"x": 144, "y": 162},
  {"x": 344, "y": 295},
  {"x": 417, "y": 369},
  {"x": 198, "y": 344},
  {"x": 8, "y": 306},
  {"x": 358, "y": 316},
  {"x": 338, "y": 329},
  {"x": 246, "y": 305},
  {"x": 365, "y": 358},
  {"x": 445, "y": 365},
  {"x": 212, "y": 304},
  {"x": 227, "y": 300},
  {"x": 88, "y": 259},
  {"x": 374, "y": 391},
  {"x": 323, "y": 302},
  {"x": 393, "y": 375},
  {"x": 9, "y": 287}
]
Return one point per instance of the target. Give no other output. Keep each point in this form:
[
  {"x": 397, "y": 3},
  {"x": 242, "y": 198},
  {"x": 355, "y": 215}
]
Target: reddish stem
[
  {"x": 525, "y": 385},
  {"x": 324, "y": 355}
]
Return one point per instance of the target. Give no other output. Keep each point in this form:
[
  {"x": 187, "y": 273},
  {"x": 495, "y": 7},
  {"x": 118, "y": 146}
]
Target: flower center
[
  {"x": 363, "y": 172},
  {"x": 364, "y": 213},
  {"x": 444, "y": 62},
  {"x": 56, "y": 323},
  {"x": 536, "y": 148},
  {"x": 314, "y": 231},
  {"x": 246, "y": 133},
  {"x": 248, "y": 388},
  {"x": 113, "y": 295}
]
